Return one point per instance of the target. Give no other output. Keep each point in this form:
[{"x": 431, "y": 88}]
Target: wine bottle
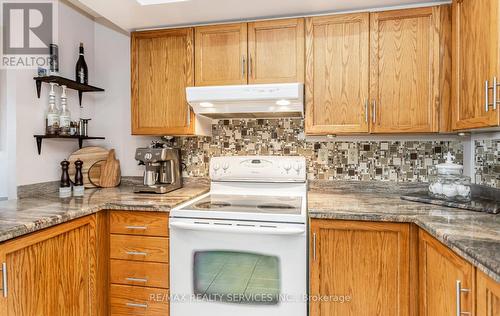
[{"x": 81, "y": 72}]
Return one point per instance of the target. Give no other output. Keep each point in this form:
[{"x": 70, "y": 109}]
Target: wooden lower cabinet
[
  {"x": 371, "y": 263},
  {"x": 139, "y": 269},
  {"x": 440, "y": 270},
  {"x": 487, "y": 295},
  {"x": 54, "y": 271}
]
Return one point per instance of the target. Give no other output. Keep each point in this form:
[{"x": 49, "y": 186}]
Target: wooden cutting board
[
  {"x": 110, "y": 171},
  {"x": 89, "y": 155}
]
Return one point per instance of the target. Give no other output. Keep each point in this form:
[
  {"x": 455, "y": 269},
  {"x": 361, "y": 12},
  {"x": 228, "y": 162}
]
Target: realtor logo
[{"x": 28, "y": 29}]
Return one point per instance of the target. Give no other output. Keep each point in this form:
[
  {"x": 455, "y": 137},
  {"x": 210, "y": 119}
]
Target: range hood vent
[{"x": 248, "y": 101}]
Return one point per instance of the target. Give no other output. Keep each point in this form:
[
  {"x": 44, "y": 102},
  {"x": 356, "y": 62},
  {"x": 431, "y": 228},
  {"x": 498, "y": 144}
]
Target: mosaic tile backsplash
[
  {"x": 488, "y": 162},
  {"x": 406, "y": 161}
]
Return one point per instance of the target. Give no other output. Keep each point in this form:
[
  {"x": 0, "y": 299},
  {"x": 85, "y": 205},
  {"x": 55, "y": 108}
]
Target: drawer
[
  {"x": 139, "y": 248},
  {"x": 134, "y": 300},
  {"x": 150, "y": 274},
  {"x": 139, "y": 223}
]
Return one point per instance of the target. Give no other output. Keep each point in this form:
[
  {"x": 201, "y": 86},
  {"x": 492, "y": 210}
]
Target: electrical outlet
[{"x": 323, "y": 156}]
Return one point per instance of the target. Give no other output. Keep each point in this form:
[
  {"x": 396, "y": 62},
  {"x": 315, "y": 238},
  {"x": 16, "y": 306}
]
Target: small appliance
[{"x": 162, "y": 172}]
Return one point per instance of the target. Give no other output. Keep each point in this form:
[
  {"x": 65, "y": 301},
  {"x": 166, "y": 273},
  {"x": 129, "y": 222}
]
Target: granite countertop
[
  {"x": 474, "y": 236},
  {"x": 26, "y": 215}
]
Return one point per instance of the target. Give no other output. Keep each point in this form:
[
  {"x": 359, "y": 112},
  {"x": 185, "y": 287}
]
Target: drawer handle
[
  {"x": 137, "y": 305},
  {"x": 136, "y": 253},
  {"x": 136, "y": 227},
  {"x": 137, "y": 280}
]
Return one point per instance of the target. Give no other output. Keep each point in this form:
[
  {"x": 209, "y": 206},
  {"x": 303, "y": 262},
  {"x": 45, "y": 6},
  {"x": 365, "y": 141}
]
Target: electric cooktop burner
[
  {"x": 248, "y": 204},
  {"x": 211, "y": 205}
]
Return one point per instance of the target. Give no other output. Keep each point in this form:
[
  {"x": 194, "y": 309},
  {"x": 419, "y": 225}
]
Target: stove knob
[
  {"x": 216, "y": 167},
  {"x": 225, "y": 166},
  {"x": 287, "y": 167},
  {"x": 297, "y": 167}
]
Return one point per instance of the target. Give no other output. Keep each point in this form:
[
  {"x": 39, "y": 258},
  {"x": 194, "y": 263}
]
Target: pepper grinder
[
  {"x": 65, "y": 186},
  {"x": 78, "y": 189}
]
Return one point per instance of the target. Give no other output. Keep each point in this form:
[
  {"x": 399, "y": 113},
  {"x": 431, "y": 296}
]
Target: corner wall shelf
[
  {"x": 39, "y": 139},
  {"x": 71, "y": 84}
]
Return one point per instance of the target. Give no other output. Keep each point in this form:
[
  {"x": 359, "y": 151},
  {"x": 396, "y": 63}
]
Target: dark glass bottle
[{"x": 81, "y": 72}]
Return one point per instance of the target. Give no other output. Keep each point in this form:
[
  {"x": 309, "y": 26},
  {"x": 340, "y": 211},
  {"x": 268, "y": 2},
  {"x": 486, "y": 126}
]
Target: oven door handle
[{"x": 238, "y": 229}]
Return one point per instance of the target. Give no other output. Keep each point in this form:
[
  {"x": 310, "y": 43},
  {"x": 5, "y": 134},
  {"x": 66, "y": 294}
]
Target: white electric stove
[{"x": 241, "y": 249}]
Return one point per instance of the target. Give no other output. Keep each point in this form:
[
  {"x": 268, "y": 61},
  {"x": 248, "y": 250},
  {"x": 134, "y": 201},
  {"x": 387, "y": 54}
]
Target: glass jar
[{"x": 450, "y": 183}]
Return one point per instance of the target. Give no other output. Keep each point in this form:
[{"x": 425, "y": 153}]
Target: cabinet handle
[
  {"x": 188, "y": 115},
  {"x": 487, "y": 91},
  {"x": 243, "y": 67},
  {"x": 374, "y": 109},
  {"x": 137, "y": 305},
  {"x": 366, "y": 111},
  {"x": 136, "y": 227},
  {"x": 137, "y": 280},
  {"x": 458, "y": 294},
  {"x": 136, "y": 253},
  {"x": 250, "y": 65},
  {"x": 4, "y": 279},
  {"x": 495, "y": 87},
  {"x": 314, "y": 246}
]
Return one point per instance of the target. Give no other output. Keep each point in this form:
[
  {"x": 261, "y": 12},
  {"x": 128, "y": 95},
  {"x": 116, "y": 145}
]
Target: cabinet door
[
  {"x": 337, "y": 74},
  {"x": 405, "y": 50},
  {"x": 162, "y": 68},
  {"x": 221, "y": 55},
  {"x": 488, "y": 296},
  {"x": 440, "y": 269},
  {"x": 276, "y": 51},
  {"x": 476, "y": 60},
  {"x": 52, "y": 272},
  {"x": 369, "y": 262}
]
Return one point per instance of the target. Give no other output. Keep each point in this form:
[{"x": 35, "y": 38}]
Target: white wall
[
  {"x": 74, "y": 28},
  {"x": 112, "y": 115},
  {"x": 109, "y": 111}
]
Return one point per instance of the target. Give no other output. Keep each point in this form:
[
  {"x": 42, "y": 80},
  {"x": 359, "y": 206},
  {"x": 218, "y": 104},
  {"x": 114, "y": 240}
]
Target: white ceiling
[{"x": 130, "y": 15}]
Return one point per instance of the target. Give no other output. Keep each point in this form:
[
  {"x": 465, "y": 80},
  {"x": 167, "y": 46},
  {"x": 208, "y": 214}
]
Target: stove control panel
[{"x": 258, "y": 169}]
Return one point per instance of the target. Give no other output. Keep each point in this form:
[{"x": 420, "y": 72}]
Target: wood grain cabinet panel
[
  {"x": 369, "y": 262},
  {"x": 406, "y": 62},
  {"x": 162, "y": 68},
  {"x": 488, "y": 295},
  {"x": 52, "y": 272},
  {"x": 221, "y": 54},
  {"x": 476, "y": 56},
  {"x": 337, "y": 70},
  {"x": 276, "y": 51},
  {"x": 133, "y": 300},
  {"x": 139, "y": 248},
  {"x": 439, "y": 270},
  {"x": 139, "y": 223}
]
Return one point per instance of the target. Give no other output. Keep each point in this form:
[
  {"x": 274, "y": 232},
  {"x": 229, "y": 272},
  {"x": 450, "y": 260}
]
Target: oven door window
[{"x": 236, "y": 277}]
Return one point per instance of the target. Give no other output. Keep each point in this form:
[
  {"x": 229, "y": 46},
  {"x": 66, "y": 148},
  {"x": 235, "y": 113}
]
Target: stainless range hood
[{"x": 248, "y": 101}]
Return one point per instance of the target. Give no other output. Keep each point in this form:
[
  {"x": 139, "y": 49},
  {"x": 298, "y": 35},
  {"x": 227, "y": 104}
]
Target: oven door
[{"x": 228, "y": 268}]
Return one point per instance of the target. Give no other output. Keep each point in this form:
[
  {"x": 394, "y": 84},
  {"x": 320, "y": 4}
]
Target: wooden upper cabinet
[
  {"x": 276, "y": 51},
  {"x": 369, "y": 262},
  {"x": 221, "y": 54},
  {"x": 408, "y": 75},
  {"x": 337, "y": 68},
  {"x": 440, "y": 269},
  {"x": 488, "y": 295},
  {"x": 162, "y": 68},
  {"x": 476, "y": 56}
]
